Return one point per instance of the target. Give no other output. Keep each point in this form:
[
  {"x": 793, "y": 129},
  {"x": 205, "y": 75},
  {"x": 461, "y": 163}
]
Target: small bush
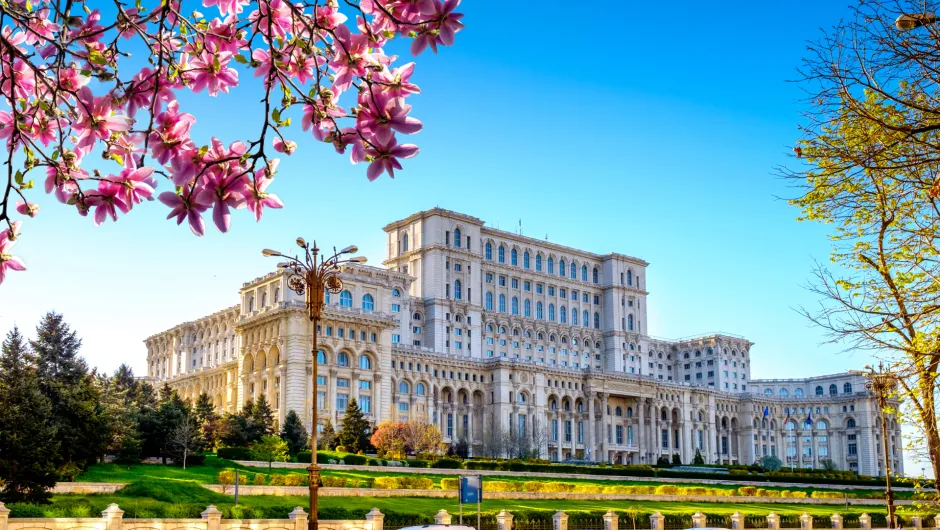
[
  {"x": 533, "y": 486},
  {"x": 451, "y": 483},
  {"x": 259, "y": 479},
  {"x": 667, "y": 489},
  {"x": 334, "y": 482},
  {"x": 417, "y": 463},
  {"x": 277, "y": 480},
  {"x": 295, "y": 479},
  {"x": 387, "y": 483},
  {"x": 747, "y": 491},
  {"x": 447, "y": 463},
  {"x": 415, "y": 483},
  {"x": 341, "y": 449},
  {"x": 588, "y": 488},
  {"x": 355, "y": 460}
]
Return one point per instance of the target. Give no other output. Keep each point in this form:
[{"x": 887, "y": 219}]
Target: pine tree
[
  {"x": 77, "y": 416},
  {"x": 294, "y": 433},
  {"x": 28, "y": 445},
  {"x": 698, "y": 460},
  {"x": 263, "y": 416},
  {"x": 355, "y": 433},
  {"x": 326, "y": 440},
  {"x": 170, "y": 416},
  {"x": 208, "y": 420},
  {"x": 676, "y": 459}
]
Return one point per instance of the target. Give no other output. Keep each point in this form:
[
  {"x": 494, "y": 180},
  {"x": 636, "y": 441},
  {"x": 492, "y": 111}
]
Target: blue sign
[{"x": 471, "y": 489}]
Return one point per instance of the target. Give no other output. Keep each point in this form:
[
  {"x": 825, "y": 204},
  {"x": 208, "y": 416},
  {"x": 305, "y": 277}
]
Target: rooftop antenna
[{"x": 520, "y": 226}]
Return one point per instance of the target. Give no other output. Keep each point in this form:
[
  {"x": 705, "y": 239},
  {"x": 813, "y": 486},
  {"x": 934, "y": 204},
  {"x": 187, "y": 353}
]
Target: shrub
[
  {"x": 341, "y": 449},
  {"x": 449, "y": 483},
  {"x": 588, "y": 488},
  {"x": 415, "y": 483},
  {"x": 667, "y": 489},
  {"x": 497, "y": 485},
  {"x": 238, "y": 453},
  {"x": 259, "y": 479},
  {"x": 417, "y": 463},
  {"x": 295, "y": 480},
  {"x": 355, "y": 460},
  {"x": 447, "y": 463},
  {"x": 533, "y": 486},
  {"x": 557, "y": 487},
  {"x": 334, "y": 482},
  {"x": 387, "y": 483},
  {"x": 747, "y": 491},
  {"x": 277, "y": 480},
  {"x": 826, "y": 495}
]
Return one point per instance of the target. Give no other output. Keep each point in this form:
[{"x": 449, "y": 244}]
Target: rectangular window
[
  {"x": 321, "y": 380},
  {"x": 538, "y": 288},
  {"x": 321, "y": 399},
  {"x": 365, "y": 385},
  {"x": 342, "y": 382},
  {"x": 567, "y": 431},
  {"x": 396, "y": 338},
  {"x": 342, "y": 401},
  {"x": 665, "y": 439},
  {"x": 365, "y": 403},
  {"x": 619, "y": 435},
  {"x": 527, "y": 286},
  {"x": 515, "y": 283}
]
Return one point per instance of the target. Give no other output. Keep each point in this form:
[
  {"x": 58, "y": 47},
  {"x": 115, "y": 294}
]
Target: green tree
[
  {"x": 28, "y": 445},
  {"x": 326, "y": 440},
  {"x": 294, "y": 433},
  {"x": 676, "y": 459},
  {"x": 270, "y": 449},
  {"x": 355, "y": 433},
  {"x": 662, "y": 461},
  {"x": 263, "y": 416},
  {"x": 697, "y": 460},
  {"x": 770, "y": 463},
  {"x": 80, "y": 425},
  {"x": 208, "y": 420},
  {"x": 171, "y": 415},
  {"x": 185, "y": 441}
]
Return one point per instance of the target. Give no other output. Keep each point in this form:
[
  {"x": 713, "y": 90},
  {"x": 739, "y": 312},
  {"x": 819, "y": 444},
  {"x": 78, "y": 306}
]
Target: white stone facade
[{"x": 477, "y": 329}]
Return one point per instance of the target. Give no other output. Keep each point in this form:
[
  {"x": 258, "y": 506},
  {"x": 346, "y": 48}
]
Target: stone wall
[{"x": 113, "y": 519}]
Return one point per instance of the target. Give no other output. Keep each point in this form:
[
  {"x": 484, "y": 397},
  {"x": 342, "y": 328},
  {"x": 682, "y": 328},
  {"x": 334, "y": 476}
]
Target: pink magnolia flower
[
  {"x": 62, "y": 180},
  {"x": 170, "y": 136},
  {"x": 14, "y": 39},
  {"x": 106, "y": 201},
  {"x": 185, "y": 166},
  {"x": 396, "y": 81},
  {"x": 129, "y": 147},
  {"x": 222, "y": 192},
  {"x": 7, "y": 260},
  {"x": 350, "y": 59},
  {"x": 95, "y": 120},
  {"x": 224, "y": 36},
  {"x": 273, "y": 14},
  {"x": 185, "y": 207},
  {"x": 137, "y": 184},
  {"x": 141, "y": 92},
  {"x": 90, "y": 30},
  {"x": 227, "y": 7},
  {"x": 257, "y": 198},
  {"x": 41, "y": 26},
  {"x": 27, "y": 208},
  {"x": 386, "y": 155},
  {"x": 210, "y": 70},
  {"x": 71, "y": 79},
  {"x": 318, "y": 116},
  {"x": 441, "y": 32},
  {"x": 44, "y": 129},
  {"x": 391, "y": 115},
  {"x": 284, "y": 146}
]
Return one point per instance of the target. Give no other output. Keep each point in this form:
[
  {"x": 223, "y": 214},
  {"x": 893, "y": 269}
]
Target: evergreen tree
[
  {"x": 326, "y": 440},
  {"x": 697, "y": 459},
  {"x": 294, "y": 433},
  {"x": 676, "y": 459},
  {"x": 236, "y": 431},
  {"x": 355, "y": 433},
  {"x": 262, "y": 416},
  {"x": 77, "y": 417},
  {"x": 208, "y": 420},
  {"x": 28, "y": 445},
  {"x": 170, "y": 416},
  {"x": 126, "y": 383}
]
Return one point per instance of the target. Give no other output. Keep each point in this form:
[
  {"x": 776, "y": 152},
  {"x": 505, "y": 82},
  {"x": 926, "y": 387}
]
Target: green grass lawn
[
  {"x": 208, "y": 474},
  {"x": 174, "y": 498}
]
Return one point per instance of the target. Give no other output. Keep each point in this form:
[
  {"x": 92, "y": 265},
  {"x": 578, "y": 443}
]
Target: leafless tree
[{"x": 186, "y": 440}]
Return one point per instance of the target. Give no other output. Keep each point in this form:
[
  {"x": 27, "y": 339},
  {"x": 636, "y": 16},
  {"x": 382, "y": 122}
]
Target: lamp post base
[{"x": 313, "y": 482}]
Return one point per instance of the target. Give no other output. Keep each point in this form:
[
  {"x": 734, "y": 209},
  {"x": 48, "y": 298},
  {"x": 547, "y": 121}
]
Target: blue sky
[{"x": 643, "y": 130}]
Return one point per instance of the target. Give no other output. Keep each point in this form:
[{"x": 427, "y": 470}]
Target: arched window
[
  {"x": 396, "y": 293},
  {"x": 458, "y": 293},
  {"x": 527, "y": 308},
  {"x": 798, "y": 392},
  {"x": 551, "y": 265},
  {"x": 538, "y": 262},
  {"x": 538, "y": 311},
  {"x": 404, "y": 243},
  {"x": 365, "y": 363},
  {"x": 368, "y": 303},
  {"x": 850, "y": 423},
  {"x": 489, "y": 251},
  {"x": 345, "y": 299},
  {"x": 489, "y": 301},
  {"x": 595, "y": 275},
  {"x": 502, "y": 303},
  {"x": 420, "y": 390},
  {"x": 416, "y": 316},
  {"x": 551, "y": 312},
  {"x": 321, "y": 357},
  {"x": 618, "y": 411},
  {"x": 553, "y": 405},
  {"x": 403, "y": 387},
  {"x": 501, "y": 254},
  {"x": 515, "y": 305},
  {"x": 586, "y": 322},
  {"x": 768, "y": 392},
  {"x": 563, "y": 314},
  {"x": 847, "y": 388},
  {"x": 574, "y": 271},
  {"x": 277, "y": 295},
  {"x": 819, "y": 390},
  {"x": 574, "y": 316},
  {"x": 821, "y": 425},
  {"x": 561, "y": 268},
  {"x": 790, "y": 426},
  {"x": 525, "y": 259},
  {"x": 833, "y": 390},
  {"x": 629, "y": 412},
  {"x": 629, "y": 277},
  {"x": 580, "y": 407},
  {"x": 630, "y": 322},
  {"x": 456, "y": 237},
  {"x": 597, "y": 321},
  {"x": 514, "y": 257},
  {"x": 342, "y": 359},
  {"x": 522, "y": 398},
  {"x": 784, "y": 392}
]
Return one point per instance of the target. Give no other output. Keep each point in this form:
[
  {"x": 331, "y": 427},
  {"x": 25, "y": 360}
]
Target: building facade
[{"x": 489, "y": 333}]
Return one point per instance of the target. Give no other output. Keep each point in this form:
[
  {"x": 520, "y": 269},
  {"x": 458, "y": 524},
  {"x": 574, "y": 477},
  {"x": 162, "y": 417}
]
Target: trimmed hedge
[
  {"x": 417, "y": 463},
  {"x": 447, "y": 463},
  {"x": 354, "y": 460}
]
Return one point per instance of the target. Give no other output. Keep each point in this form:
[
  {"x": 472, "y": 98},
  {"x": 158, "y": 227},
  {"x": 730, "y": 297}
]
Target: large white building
[{"x": 480, "y": 330}]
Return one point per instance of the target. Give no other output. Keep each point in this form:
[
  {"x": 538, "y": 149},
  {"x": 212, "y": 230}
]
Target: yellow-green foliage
[
  {"x": 277, "y": 480},
  {"x": 793, "y": 494},
  {"x": 227, "y": 477},
  {"x": 451, "y": 484},
  {"x": 334, "y": 482},
  {"x": 747, "y": 491},
  {"x": 293, "y": 480},
  {"x": 502, "y": 485},
  {"x": 826, "y": 495},
  {"x": 260, "y": 479},
  {"x": 588, "y": 488},
  {"x": 667, "y": 489},
  {"x": 386, "y": 483},
  {"x": 415, "y": 483},
  {"x": 533, "y": 486}
]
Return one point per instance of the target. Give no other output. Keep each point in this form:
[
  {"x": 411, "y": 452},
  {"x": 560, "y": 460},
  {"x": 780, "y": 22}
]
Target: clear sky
[{"x": 651, "y": 131}]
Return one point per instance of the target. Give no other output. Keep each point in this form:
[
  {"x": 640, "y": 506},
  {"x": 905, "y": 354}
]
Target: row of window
[
  {"x": 833, "y": 390},
  {"x": 584, "y": 321},
  {"x": 563, "y": 268},
  {"x": 342, "y": 360}
]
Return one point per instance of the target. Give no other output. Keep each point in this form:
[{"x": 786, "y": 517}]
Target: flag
[
  {"x": 809, "y": 417},
  {"x": 766, "y": 411}
]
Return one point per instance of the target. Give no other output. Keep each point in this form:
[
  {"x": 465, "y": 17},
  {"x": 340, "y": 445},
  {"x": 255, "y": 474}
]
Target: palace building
[{"x": 480, "y": 331}]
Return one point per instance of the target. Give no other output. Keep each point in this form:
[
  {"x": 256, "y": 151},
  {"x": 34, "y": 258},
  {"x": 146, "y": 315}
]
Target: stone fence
[
  {"x": 113, "y": 519},
  {"x": 281, "y": 491},
  {"x": 580, "y": 476}
]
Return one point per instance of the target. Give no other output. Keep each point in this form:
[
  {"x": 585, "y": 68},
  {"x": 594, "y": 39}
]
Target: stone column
[
  {"x": 590, "y": 430},
  {"x": 375, "y": 517},
  {"x": 299, "y": 516},
  {"x": 688, "y": 452},
  {"x": 560, "y": 520},
  {"x": 836, "y": 521},
  {"x": 113, "y": 515},
  {"x": 5, "y": 516},
  {"x": 504, "y": 520},
  {"x": 213, "y": 517},
  {"x": 561, "y": 435},
  {"x": 657, "y": 521},
  {"x": 936, "y": 519},
  {"x": 773, "y": 521},
  {"x": 806, "y": 521},
  {"x": 737, "y": 521},
  {"x": 605, "y": 448},
  {"x": 698, "y": 520},
  {"x": 610, "y": 520},
  {"x": 864, "y": 521},
  {"x": 442, "y": 517}
]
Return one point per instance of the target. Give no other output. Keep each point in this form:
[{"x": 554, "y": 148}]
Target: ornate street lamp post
[
  {"x": 881, "y": 383},
  {"x": 314, "y": 276}
]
